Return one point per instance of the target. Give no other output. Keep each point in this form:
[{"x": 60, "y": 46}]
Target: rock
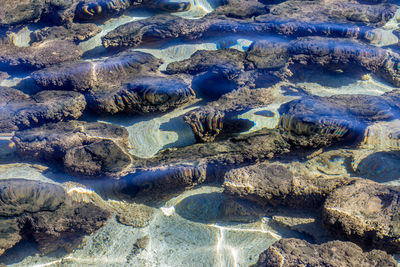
[
  {"x": 338, "y": 11},
  {"x": 45, "y": 212},
  {"x": 3, "y": 76},
  {"x": 85, "y": 76},
  {"x": 39, "y": 55},
  {"x": 19, "y": 111},
  {"x": 95, "y": 10},
  {"x": 139, "y": 33},
  {"x": 220, "y": 118},
  {"x": 309, "y": 122},
  {"x": 83, "y": 149},
  {"x": 146, "y": 94},
  {"x": 367, "y": 213},
  {"x": 77, "y": 32},
  {"x": 296, "y": 252},
  {"x": 274, "y": 184},
  {"x": 240, "y": 9},
  {"x": 133, "y": 214}
]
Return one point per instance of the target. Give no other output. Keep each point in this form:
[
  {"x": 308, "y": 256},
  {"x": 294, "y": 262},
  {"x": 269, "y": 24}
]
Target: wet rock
[
  {"x": 91, "y": 75},
  {"x": 240, "y": 9},
  {"x": 147, "y": 94},
  {"x": 3, "y": 76},
  {"x": 337, "y": 11},
  {"x": 367, "y": 213},
  {"x": 95, "y": 10},
  {"x": 163, "y": 180},
  {"x": 39, "y": 55},
  {"x": 47, "y": 213},
  {"x": 75, "y": 32},
  {"x": 275, "y": 184},
  {"x": 296, "y": 252},
  {"x": 315, "y": 121},
  {"x": 20, "y": 111},
  {"x": 170, "y": 27},
  {"x": 133, "y": 214},
  {"x": 220, "y": 118},
  {"x": 83, "y": 149}
]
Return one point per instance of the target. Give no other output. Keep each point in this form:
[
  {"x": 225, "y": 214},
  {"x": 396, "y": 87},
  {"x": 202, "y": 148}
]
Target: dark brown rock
[
  {"x": 367, "y": 213},
  {"x": 39, "y": 55},
  {"x": 75, "y": 32},
  {"x": 295, "y": 252},
  {"x": 219, "y": 118},
  {"x": 315, "y": 121},
  {"x": 95, "y": 10},
  {"x": 274, "y": 184},
  {"x": 20, "y": 111},
  {"x": 146, "y": 94},
  {"x": 83, "y": 149},
  {"x": 169, "y": 27},
  {"x": 47, "y": 213},
  {"x": 90, "y": 76}
]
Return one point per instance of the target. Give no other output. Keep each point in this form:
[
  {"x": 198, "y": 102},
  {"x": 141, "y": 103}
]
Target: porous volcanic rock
[
  {"x": 83, "y": 149},
  {"x": 367, "y": 213},
  {"x": 296, "y": 252},
  {"x": 19, "y": 111},
  {"x": 141, "y": 32},
  {"x": 76, "y": 32},
  {"x": 146, "y": 94},
  {"x": 219, "y": 118},
  {"x": 320, "y": 121},
  {"x": 47, "y": 213},
  {"x": 274, "y": 184},
  {"x": 39, "y": 55}
]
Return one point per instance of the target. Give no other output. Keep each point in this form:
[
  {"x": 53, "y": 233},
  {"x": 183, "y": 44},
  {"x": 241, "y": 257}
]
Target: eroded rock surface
[
  {"x": 19, "y": 111},
  {"x": 83, "y": 149},
  {"x": 39, "y": 55},
  {"x": 296, "y": 252},
  {"x": 274, "y": 184},
  {"x": 366, "y": 213},
  {"x": 47, "y": 213},
  {"x": 75, "y": 32}
]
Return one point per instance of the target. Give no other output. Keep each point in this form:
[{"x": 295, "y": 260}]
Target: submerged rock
[
  {"x": 296, "y": 252},
  {"x": 367, "y": 213},
  {"x": 19, "y": 111},
  {"x": 46, "y": 213},
  {"x": 274, "y": 184},
  {"x": 83, "y": 149},
  {"x": 39, "y": 55}
]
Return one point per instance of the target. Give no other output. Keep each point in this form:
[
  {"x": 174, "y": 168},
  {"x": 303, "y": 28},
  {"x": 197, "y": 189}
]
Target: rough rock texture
[
  {"x": 319, "y": 121},
  {"x": 20, "y": 111},
  {"x": 47, "y": 213},
  {"x": 75, "y": 32},
  {"x": 83, "y": 149},
  {"x": 295, "y": 252},
  {"x": 219, "y": 118},
  {"x": 170, "y": 27},
  {"x": 274, "y": 184},
  {"x": 39, "y": 55},
  {"x": 95, "y": 10},
  {"x": 146, "y": 94},
  {"x": 125, "y": 83},
  {"x": 94, "y": 75},
  {"x": 367, "y": 213}
]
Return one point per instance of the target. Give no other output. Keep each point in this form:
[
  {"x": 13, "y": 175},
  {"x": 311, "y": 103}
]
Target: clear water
[{"x": 155, "y": 221}]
